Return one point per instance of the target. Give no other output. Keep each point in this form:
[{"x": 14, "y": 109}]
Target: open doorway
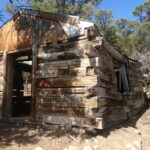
[{"x": 20, "y": 79}]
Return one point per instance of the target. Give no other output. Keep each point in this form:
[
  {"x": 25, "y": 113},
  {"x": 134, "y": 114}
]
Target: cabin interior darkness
[{"x": 21, "y": 84}]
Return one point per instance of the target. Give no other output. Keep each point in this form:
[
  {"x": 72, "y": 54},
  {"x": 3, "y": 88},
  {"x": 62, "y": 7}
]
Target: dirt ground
[{"x": 132, "y": 135}]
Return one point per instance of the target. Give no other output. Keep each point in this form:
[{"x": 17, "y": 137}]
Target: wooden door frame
[{"x": 7, "y": 91}]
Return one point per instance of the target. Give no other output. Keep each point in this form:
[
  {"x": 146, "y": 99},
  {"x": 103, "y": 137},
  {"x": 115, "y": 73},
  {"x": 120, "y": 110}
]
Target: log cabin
[{"x": 57, "y": 69}]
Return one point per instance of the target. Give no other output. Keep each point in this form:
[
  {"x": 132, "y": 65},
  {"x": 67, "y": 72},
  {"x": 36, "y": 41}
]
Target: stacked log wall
[
  {"x": 135, "y": 98},
  {"x": 71, "y": 79},
  {"x": 78, "y": 80}
]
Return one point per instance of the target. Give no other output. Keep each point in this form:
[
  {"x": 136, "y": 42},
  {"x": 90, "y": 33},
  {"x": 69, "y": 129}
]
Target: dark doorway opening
[{"x": 21, "y": 84}]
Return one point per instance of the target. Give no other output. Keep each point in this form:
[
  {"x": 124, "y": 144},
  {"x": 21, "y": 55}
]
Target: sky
[{"x": 120, "y": 8}]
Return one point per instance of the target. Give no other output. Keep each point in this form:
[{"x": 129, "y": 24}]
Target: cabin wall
[
  {"x": 122, "y": 105},
  {"x": 77, "y": 84},
  {"x": 68, "y": 82},
  {"x": 17, "y": 33},
  {"x": 135, "y": 98}
]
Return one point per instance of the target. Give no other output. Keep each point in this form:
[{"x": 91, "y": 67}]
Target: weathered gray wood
[
  {"x": 87, "y": 62},
  {"x": 74, "y": 101},
  {"x": 73, "y": 111},
  {"x": 85, "y": 91},
  {"x": 88, "y": 51},
  {"x": 8, "y": 88},
  {"x": 67, "y": 120},
  {"x": 2, "y": 62},
  {"x": 3, "y": 113},
  {"x": 34, "y": 67},
  {"x": 114, "y": 116},
  {"x": 134, "y": 63},
  {"x": 68, "y": 46},
  {"x": 76, "y": 72},
  {"x": 60, "y": 91},
  {"x": 47, "y": 73},
  {"x": 68, "y": 82},
  {"x": 114, "y": 53}
]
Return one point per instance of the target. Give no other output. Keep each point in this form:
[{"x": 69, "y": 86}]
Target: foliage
[
  {"x": 71, "y": 7},
  {"x": 134, "y": 36},
  {"x": 104, "y": 21},
  {"x": 103, "y": 18}
]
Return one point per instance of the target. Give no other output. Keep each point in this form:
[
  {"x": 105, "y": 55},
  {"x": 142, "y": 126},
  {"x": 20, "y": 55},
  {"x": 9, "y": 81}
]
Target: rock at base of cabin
[{"x": 38, "y": 148}]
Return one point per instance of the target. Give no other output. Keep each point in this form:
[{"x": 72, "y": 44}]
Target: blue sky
[
  {"x": 120, "y": 8},
  {"x": 2, "y": 4}
]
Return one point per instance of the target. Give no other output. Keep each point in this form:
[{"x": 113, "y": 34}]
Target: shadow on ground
[{"x": 24, "y": 134}]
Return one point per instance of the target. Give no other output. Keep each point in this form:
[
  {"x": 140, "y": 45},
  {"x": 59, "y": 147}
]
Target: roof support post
[
  {"x": 4, "y": 85},
  {"x": 34, "y": 68}
]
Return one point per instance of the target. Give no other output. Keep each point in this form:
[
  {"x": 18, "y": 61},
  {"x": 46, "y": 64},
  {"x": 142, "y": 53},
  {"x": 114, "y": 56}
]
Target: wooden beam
[
  {"x": 60, "y": 91},
  {"x": 114, "y": 53},
  {"x": 3, "y": 88},
  {"x": 34, "y": 68},
  {"x": 66, "y": 101},
  {"x": 8, "y": 85},
  {"x": 86, "y": 62},
  {"x": 68, "y": 82},
  {"x": 67, "y": 120}
]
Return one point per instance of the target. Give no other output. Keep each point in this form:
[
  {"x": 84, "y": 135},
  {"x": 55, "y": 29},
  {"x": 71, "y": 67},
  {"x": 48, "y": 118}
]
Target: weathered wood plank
[
  {"x": 60, "y": 91},
  {"x": 1, "y": 88},
  {"x": 139, "y": 103},
  {"x": 136, "y": 89},
  {"x": 134, "y": 63},
  {"x": 94, "y": 102},
  {"x": 67, "y": 120},
  {"x": 69, "y": 46},
  {"x": 75, "y": 72},
  {"x": 34, "y": 66},
  {"x": 84, "y": 112},
  {"x": 73, "y": 54},
  {"x": 87, "y": 62},
  {"x": 71, "y": 111},
  {"x": 109, "y": 94},
  {"x": 68, "y": 101},
  {"x": 47, "y": 73},
  {"x": 114, "y": 53},
  {"x": 114, "y": 116},
  {"x": 84, "y": 92},
  {"x": 68, "y": 82},
  {"x": 88, "y": 81},
  {"x": 105, "y": 102},
  {"x": 136, "y": 83},
  {"x": 88, "y": 51}
]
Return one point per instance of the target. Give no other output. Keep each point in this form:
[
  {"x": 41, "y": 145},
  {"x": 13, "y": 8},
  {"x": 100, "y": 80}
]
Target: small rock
[
  {"x": 87, "y": 148},
  {"x": 131, "y": 147},
  {"x": 95, "y": 147},
  {"x": 138, "y": 132},
  {"x": 72, "y": 148},
  {"x": 38, "y": 148},
  {"x": 31, "y": 133},
  {"x": 95, "y": 140},
  {"x": 87, "y": 141},
  {"x": 138, "y": 143}
]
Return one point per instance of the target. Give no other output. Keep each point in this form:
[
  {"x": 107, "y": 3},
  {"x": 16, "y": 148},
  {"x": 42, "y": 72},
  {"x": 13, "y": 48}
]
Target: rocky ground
[{"x": 132, "y": 135}]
